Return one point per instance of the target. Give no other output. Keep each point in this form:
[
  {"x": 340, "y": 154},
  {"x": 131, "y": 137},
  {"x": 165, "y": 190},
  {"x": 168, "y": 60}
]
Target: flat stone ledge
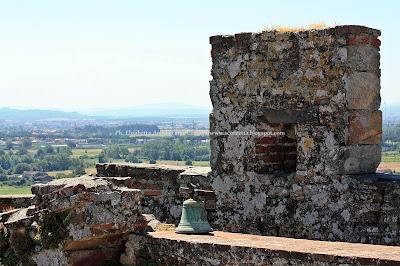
[
  {"x": 289, "y": 247},
  {"x": 196, "y": 171},
  {"x": 377, "y": 177},
  {"x": 79, "y": 183},
  {"x": 16, "y": 197},
  {"x": 144, "y": 166},
  {"x": 152, "y": 171},
  {"x": 15, "y": 201},
  {"x": 341, "y": 30}
]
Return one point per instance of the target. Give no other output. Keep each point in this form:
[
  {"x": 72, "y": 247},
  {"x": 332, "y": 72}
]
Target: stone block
[
  {"x": 355, "y": 29},
  {"x": 362, "y": 90},
  {"x": 365, "y": 128},
  {"x": 363, "y": 39},
  {"x": 363, "y": 58},
  {"x": 360, "y": 159}
]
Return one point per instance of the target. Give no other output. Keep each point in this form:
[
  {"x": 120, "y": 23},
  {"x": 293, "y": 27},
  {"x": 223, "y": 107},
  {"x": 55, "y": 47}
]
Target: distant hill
[
  {"x": 390, "y": 113},
  {"x": 36, "y": 114},
  {"x": 160, "y": 111},
  {"x": 157, "y": 110}
]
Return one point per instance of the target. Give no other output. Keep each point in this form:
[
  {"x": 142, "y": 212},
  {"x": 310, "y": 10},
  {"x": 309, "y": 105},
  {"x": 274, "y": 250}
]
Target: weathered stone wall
[
  {"x": 322, "y": 89},
  {"x": 85, "y": 220},
  {"x": 9, "y": 202},
  {"x": 74, "y": 221},
  {"x": 363, "y": 208},
  {"x": 161, "y": 186},
  {"x": 222, "y": 248}
]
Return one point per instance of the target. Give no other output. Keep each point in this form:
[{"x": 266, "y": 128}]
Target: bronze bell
[{"x": 194, "y": 217}]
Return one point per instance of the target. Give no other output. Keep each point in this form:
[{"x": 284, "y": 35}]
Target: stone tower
[{"x": 295, "y": 120}]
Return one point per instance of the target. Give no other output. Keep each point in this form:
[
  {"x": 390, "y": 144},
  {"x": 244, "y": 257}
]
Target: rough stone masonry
[
  {"x": 316, "y": 180},
  {"x": 321, "y": 89}
]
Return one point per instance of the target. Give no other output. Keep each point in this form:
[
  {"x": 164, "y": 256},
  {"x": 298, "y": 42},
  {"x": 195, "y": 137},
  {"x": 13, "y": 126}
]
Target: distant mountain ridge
[
  {"x": 147, "y": 111},
  {"x": 155, "y": 110},
  {"x": 391, "y": 112},
  {"x": 36, "y": 114}
]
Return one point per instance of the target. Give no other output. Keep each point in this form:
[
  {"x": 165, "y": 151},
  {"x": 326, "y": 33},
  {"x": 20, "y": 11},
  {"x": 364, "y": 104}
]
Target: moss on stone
[
  {"x": 3, "y": 240},
  {"x": 19, "y": 249},
  {"x": 165, "y": 227},
  {"x": 9, "y": 258},
  {"x": 54, "y": 229}
]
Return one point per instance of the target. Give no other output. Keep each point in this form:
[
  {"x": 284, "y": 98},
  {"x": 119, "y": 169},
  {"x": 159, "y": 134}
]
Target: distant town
[
  {"x": 57, "y": 145},
  {"x": 41, "y": 150}
]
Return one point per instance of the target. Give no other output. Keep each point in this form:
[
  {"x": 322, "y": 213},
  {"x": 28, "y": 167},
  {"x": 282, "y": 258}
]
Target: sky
[{"x": 94, "y": 54}]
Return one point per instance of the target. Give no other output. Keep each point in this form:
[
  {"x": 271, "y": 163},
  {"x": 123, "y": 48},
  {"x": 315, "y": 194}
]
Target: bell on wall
[{"x": 194, "y": 217}]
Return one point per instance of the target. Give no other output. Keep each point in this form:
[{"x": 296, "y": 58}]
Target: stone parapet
[
  {"x": 161, "y": 185},
  {"x": 222, "y": 248},
  {"x": 320, "y": 90},
  {"x": 350, "y": 208},
  {"x": 9, "y": 202}
]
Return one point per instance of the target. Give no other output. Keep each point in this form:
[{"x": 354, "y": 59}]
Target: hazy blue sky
[{"x": 81, "y": 54}]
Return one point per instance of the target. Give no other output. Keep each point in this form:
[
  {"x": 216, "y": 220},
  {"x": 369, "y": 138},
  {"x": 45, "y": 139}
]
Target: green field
[
  {"x": 10, "y": 190},
  {"x": 390, "y": 157},
  {"x": 88, "y": 152},
  {"x": 54, "y": 173}
]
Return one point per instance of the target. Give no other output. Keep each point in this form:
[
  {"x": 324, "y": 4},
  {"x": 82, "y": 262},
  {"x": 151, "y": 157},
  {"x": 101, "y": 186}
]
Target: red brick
[
  {"x": 345, "y": 29},
  {"x": 267, "y": 140},
  {"x": 270, "y": 148},
  {"x": 290, "y": 156},
  {"x": 6, "y": 208},
  {"x": 152, "y": 192},
  {"x": 356, "y": 40},
  {"x": 272, "y": 158},
  {"x": 351, "y": 40},
  {"x": 261, "y": 149},
  {"x": 291, "y": 148},
  {"x": 289, "y": 141},
  {"x": 206, "y": 194}
]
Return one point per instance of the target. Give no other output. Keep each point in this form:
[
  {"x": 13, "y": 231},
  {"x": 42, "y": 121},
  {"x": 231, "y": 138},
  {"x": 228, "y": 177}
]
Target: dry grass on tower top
[{"x": 279, "y": 28}]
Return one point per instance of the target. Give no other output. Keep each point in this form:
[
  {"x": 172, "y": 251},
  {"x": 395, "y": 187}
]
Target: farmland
[{"x": 13, "y": 190}]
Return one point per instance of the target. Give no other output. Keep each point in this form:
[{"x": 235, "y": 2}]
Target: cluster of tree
[
  {"x": 25, "y": 144},
  {"x": 118, "y": 152},
  {"x": 176, "y": 150},
  {"x": 391, "y": 138},
  {"x": 44, "y": 159}
]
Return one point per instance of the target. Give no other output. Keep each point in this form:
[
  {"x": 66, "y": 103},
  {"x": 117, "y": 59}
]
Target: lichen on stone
[{"x": 53, "y": 229}]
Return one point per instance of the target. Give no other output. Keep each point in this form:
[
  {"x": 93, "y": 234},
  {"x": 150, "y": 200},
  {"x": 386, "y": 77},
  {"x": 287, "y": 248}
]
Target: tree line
[
  {"x": 44, "y": 159},
  {"x": 391, "y": 138},
  {"x": 175, "y": 149}
]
